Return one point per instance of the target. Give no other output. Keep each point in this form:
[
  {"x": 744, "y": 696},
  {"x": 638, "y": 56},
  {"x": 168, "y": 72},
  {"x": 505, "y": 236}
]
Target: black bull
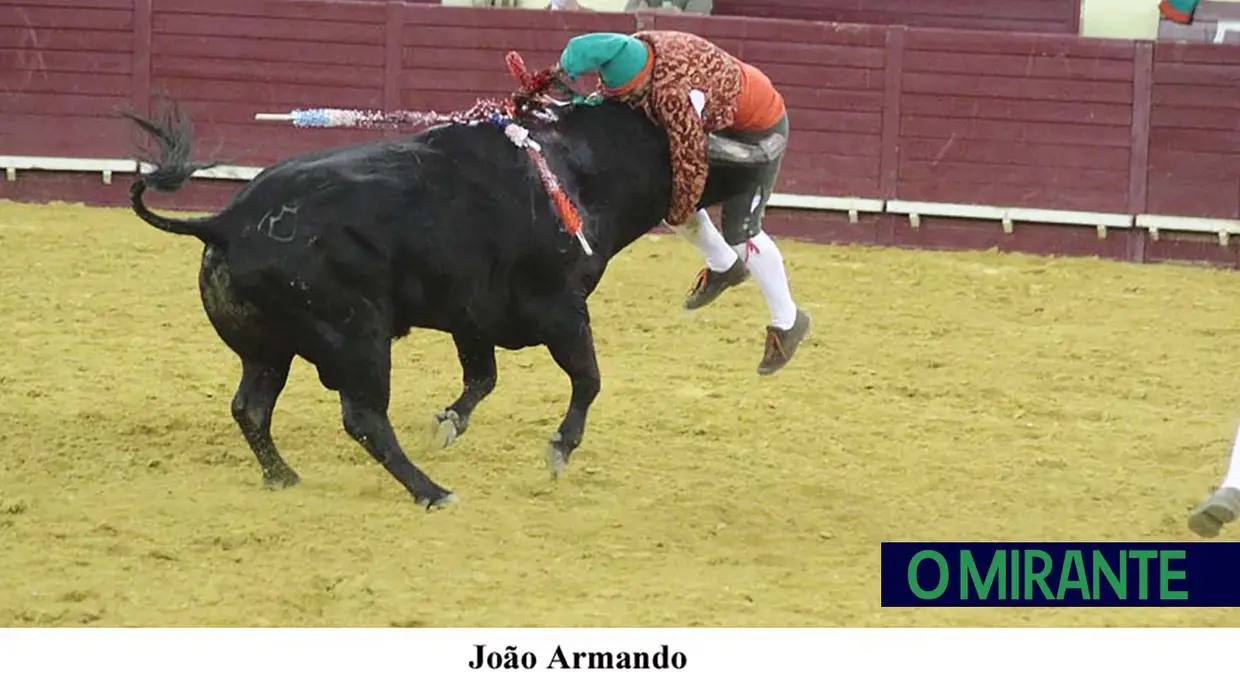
[{"x": 332, "y": 255}]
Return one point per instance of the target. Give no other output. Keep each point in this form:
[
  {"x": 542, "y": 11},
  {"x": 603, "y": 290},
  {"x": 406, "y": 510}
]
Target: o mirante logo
[{"x": 1035, "y": 574}]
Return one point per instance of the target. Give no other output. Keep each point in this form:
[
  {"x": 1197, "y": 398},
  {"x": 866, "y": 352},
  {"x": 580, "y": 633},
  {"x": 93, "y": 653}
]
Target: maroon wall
[
  {"x": 1048, "y": 16},
  {"x": 1194, "y": 146},
  {"x": 954, "y": 116}
]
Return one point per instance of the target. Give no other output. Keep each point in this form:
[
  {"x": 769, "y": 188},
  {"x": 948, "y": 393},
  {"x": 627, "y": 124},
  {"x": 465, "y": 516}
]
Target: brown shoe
[
  {"x": 781, "y": 344},
  {"x": 711, "y": 284}
]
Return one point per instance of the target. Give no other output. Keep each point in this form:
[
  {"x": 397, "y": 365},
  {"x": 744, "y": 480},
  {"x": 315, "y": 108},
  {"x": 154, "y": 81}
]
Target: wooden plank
[
  {"x": 259, "y": 94},
  {"x": 73, "y": 137},
  {"x": 765, "y": 53},
  {"x": 1009, "y": 109},
  {"x": 823, "y": 76},
  {"x": 502, "y": 39},
  {"x": 1139, "y": 150},
  {"x": 140, "y": 80},
  {"x": 1036, "y": 196},
  {"x": 67, "y": 40},
  {"x": 1012, "y": 153},
  {"x": 1072, "y": 176},
  {"x": 1017, "y": 44},
  {"x": 1194, "y": 96},
  {"x": 438, "y": 100},
  {"x": 1070, "y": 68},
  {"x": 1049, "y": 133},
  {"x": 893, "y": 87},
  {"x": 520, "y": 19},
  {"x": 393, "y": 48},
  {"x": 267, "y": 72},
  {"x": 318, "y": 10},
  {"x": 1208, "y": 54},
  {"x": 269, "y": 28},
  {"x": 1199, "y": 166},
  {"x": 68, "y": 18},
  {"x": 855, "y": 145},
  {"x": 1033, "y": 88},
  {"x": 842, "y": 166},
  {"x": 1200, "y": 141},
  {"x": 79, "y": 4},
  {"x": 851, "y": 122},
  {"x": 1224, "y": 76},
  {"x": 1170, "y": 195},
  {"x": 852, "y": 100},
  {"x": 465, "y": 60},
  {"x": 17, "y": 124},
  {"x": 43, "y": 82},
  {"x": 810, "y": 181},
  {"x": 59, "y": 104},
  {"x": 816, "y": 33},
  {"x": 870, "y": 14},
  {"x": 481, "y": 84},
  {"x": 264, "y": 144},
  {"x": 266, "y": 50},
  {"x": 98, "y": 62},
  {"x": 1205, "y": 118},
  {"x": 1040, "y": 10}
]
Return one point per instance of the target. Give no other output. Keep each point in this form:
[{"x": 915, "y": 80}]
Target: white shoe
[{"x": 1209, "y": 517}]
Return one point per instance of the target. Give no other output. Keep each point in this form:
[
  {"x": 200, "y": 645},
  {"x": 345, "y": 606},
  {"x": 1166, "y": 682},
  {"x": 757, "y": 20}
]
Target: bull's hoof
[
  {"x": 557, "y": 458},
  {"x": 280, "y": 479},
  {"x": 446, "y": 427},
  {"x": 436, "y": 501}
]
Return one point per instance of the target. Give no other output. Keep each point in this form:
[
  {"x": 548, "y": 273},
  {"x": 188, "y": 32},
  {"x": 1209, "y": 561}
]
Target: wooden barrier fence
[{"x": 901, "y": 135}]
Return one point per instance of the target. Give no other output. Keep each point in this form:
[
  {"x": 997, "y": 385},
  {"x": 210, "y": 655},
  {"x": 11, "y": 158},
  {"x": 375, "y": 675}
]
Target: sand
[{"x": 943, "y": 396}]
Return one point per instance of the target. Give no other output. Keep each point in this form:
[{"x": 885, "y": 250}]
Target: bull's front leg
[
  {"x": 573, "y": 351},
  {"x": 479, "y": 376}
]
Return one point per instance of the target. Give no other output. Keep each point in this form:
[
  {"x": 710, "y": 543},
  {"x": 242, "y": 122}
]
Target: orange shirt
[{"x": 759, "y": 105}]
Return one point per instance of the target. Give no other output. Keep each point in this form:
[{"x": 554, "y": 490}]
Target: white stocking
[
  {"x": 766, "y": 264},
  {"x": 1232, "y": 479},
  {"x": 702, "y": 233}
]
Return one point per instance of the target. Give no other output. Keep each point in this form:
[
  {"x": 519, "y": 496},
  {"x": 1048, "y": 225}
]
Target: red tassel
[
  {"x": 534, "y": 84},
  {"x": 516, "y": 66},
  {"x": 568, "y": 213},
  {"x": 531, "y": 83}
]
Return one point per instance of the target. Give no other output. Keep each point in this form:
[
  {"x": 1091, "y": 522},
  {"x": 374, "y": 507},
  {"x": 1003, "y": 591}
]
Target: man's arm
[{"x": 687, "y": 138}]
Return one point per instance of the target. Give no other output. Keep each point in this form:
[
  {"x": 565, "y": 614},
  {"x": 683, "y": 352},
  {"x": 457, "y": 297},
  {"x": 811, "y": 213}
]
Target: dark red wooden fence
[
  {"x": 1031, "y": 120},
  {"x": 1194, "y": 144},
  {"x": 1046, "y": 16}
]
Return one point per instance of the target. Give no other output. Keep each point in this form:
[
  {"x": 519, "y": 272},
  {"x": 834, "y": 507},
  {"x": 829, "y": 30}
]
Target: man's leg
[
  {"x": 724, "y": 268},
  {"x": 1223, "y": 506},
  {"x": 742, "y": 229}
]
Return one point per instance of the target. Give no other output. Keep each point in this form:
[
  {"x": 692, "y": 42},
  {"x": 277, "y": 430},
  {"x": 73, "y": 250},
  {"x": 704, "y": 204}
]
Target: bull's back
[{"x": 450, "y": 225}]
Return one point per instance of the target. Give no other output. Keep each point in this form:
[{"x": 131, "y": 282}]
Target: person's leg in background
[{"x": 1223, "y": 506}]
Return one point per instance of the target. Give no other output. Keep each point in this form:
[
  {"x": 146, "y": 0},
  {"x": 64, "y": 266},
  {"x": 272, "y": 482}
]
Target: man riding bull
[{"x": 698, "y": 92}]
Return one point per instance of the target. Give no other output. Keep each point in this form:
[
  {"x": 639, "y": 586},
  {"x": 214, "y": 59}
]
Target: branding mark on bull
[{"x": 279, "y": 227}]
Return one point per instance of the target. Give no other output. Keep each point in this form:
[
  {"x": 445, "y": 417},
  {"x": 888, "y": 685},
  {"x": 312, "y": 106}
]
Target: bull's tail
[{"x": 173, "y": 166}]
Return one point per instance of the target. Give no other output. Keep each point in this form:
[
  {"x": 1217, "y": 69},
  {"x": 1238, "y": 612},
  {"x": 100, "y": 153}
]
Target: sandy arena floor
[{"x": 942, "y": 397}]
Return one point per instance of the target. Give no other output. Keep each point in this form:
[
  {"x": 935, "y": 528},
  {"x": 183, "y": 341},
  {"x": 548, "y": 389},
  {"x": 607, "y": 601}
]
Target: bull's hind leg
[
  {"x": 573, "y": 351},
  {"x": 479, "y": 378},
  {"x": 265, "y": 361},
  {"x": 252, "y": 407},
  {"x": 362, "y": 374}
]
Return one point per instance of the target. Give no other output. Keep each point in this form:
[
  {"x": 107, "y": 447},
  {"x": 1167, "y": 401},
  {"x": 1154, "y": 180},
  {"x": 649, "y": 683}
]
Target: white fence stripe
[{"x": 1223, "y": 228}]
